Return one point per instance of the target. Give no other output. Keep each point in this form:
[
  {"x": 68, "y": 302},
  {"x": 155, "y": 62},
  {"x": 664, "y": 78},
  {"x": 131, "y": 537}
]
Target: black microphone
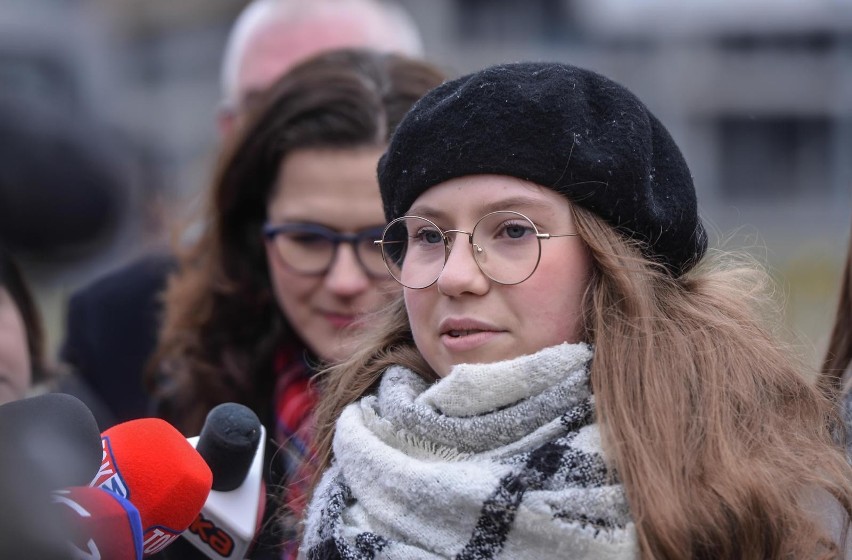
[
  {"x": 231, "y": 441},
  {"x": 52, "y": 439},
  {"x": 228, "y": 442},
  {"x": 47, "y": 443}
]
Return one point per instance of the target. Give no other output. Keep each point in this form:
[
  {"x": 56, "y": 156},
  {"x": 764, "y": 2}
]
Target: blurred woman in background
[
  {"x": 21, "y": 337},
  {"x": 285, "y": 268}
]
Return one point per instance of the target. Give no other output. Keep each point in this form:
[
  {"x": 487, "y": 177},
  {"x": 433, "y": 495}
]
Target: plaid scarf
[
  {"x": 494, "y": 461},
  {"x": 295, "y": 400}
]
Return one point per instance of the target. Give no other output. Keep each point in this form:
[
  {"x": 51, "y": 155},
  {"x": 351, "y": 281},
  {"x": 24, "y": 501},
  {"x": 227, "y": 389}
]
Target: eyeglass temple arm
[{"x": 549, "y": 235}]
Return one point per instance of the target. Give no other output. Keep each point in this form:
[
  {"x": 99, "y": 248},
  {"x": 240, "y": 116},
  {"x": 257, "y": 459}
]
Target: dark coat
[{"x": 111, "y": 332}]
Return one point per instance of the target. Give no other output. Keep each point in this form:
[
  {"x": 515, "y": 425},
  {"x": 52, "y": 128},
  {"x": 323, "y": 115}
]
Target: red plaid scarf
[{"x": 295, "y": 400}]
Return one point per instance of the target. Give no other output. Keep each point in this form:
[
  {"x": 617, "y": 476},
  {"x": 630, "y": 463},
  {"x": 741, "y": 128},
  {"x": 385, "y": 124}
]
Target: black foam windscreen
[
  {"x": 47, "y": 442},
  {"x": 52, "y": 437},
  {"x": 228, "y": 441}
]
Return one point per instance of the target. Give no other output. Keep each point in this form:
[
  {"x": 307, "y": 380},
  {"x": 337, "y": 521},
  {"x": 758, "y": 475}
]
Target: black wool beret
[{"x": 561, "y": 127}]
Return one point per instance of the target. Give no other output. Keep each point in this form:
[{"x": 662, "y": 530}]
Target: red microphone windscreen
[
  {"x": 99, "y": 524},
  {"x": 151, "y": 464}
]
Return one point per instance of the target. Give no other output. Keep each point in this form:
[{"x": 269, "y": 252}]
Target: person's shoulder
[
  {"x": 152, "y": 265},
  {"x": 144, "y": 274}
]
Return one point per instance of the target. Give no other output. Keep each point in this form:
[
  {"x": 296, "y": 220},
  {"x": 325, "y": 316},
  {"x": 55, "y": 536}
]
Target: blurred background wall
[{"x": 758, "y": 93}]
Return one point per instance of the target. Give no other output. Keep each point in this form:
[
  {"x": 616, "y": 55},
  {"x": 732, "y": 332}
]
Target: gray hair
[{"x": 387, "y": 26}]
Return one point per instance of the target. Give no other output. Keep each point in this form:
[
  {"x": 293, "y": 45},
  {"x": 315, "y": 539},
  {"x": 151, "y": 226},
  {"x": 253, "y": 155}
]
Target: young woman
[
  {"x": 837, "y": 366},
  {"x": 568, "y": 374},
  {"x": 21, "y": 337},
  {"x": 286, "y": 266}
]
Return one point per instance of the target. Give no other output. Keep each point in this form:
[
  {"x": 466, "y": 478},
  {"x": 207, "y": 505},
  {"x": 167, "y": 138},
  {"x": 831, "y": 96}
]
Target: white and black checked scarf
[{"x": 495, "y": 461}]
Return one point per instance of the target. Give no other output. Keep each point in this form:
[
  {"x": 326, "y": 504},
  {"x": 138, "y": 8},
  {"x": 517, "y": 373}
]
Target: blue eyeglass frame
[{"x": 270, "y": 231}]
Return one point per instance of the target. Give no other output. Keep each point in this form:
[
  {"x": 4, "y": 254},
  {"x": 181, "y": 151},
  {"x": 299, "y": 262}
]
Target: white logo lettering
[
  {"x": 78, "y": 509},
  {"x": 156, "y": 541},
  {"x": 92, "y": 554},
  {"x": 108, "y": 476}
]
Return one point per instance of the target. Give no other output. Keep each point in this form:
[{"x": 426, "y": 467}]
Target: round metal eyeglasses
[
  {"x": 310, "y": 249},
  {"x": 506, "y": 246}
]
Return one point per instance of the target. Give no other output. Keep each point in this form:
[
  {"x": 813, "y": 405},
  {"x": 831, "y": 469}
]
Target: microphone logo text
[
  {"x": 156, "y": 539},
  {"x": 109, "y": 477},
  {"x": 215, "y": 537}
]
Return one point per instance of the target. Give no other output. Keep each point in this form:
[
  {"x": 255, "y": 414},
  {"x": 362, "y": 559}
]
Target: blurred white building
[{"x": 758, "y": 93}]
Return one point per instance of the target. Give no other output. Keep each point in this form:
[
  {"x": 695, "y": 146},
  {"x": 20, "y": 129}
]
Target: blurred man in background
[
  {"x": 271, "y": 36},
  {"x": 112, "y": 323}
]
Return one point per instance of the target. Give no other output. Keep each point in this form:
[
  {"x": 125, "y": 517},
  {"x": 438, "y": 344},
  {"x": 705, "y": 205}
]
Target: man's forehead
[{"x": 274, "y": 49}]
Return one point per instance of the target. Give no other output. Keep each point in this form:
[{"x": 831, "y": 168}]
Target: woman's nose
[
  {"x": 461, "y": 274},
  {"x": 346, "y": 277}
]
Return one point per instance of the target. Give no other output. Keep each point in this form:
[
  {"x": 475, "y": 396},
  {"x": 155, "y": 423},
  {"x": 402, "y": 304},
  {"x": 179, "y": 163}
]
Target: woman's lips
[
  {"x": 340, "y": 320},
  {"x": 462, "y": 334},
  {"x": 467, "y": 340}
]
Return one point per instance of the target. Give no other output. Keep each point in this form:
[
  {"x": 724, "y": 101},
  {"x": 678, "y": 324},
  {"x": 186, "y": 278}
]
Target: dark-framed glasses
[
  {"x": 310, "y": 249},
  {"x": 506, "y": 246}
]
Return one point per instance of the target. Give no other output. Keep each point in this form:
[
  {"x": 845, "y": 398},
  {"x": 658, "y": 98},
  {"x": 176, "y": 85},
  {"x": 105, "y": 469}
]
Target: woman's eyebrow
[
  {"x": 513, "y": 203},
  {"x": 516, "y": 203},
  {"x": 426, "y": 212}
]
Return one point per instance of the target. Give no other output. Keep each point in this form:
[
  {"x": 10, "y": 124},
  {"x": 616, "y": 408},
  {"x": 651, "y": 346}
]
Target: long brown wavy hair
[
  {"x": 711, "y": 424},
  {"x": 838, "y": 357},
  {"x": 222, "y": 325}
]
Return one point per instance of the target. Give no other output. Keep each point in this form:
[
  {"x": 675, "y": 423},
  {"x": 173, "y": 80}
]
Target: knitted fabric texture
[
  {"x": 499, "y": 460},
  {"x": 561, "y": 127},
  {"x": 295, "y": 400}
]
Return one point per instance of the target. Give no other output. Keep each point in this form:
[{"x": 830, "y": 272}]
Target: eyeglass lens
[
  {"x": 311, "y": 252},
  {"x": 504, "y": 245}
]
